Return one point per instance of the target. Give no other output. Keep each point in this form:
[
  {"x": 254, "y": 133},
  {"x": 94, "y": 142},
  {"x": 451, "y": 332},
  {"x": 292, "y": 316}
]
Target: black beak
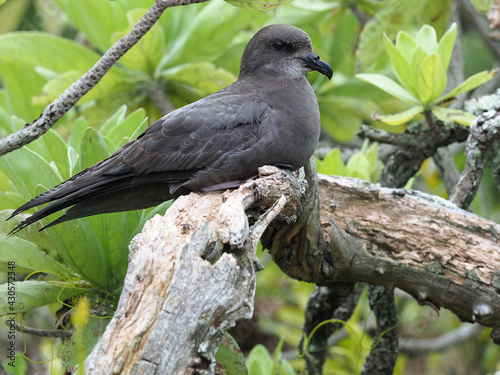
[{"x": 314, "y": 63}]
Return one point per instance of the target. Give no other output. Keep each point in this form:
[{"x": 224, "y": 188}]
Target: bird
[{"x": 268, "y": 116}]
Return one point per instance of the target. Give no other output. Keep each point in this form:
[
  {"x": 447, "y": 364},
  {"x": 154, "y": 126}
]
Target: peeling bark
[{"x": 192, "y": 272}]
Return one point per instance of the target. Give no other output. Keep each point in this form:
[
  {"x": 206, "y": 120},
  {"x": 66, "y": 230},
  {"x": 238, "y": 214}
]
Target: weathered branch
[
  {"x": 57, "y": 109},
  {"x": 192, "y": 272},
  {"x": 462, "y": 334},
  {"x": 425, "y": 245},
  {"x": 190, "y": 278},
  {"x": 485, "y": 131}
]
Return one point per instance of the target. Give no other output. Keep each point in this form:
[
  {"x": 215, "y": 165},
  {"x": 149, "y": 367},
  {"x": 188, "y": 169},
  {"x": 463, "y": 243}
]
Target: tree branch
[
  {"x": 485, "y": 131},
  {"x": 52, "y": 113},
  {"x": 190, "y": 278},
  {"x": 59, "y": 333}
]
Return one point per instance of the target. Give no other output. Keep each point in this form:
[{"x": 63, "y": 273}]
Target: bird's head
[{"x": 282, "y": 50}]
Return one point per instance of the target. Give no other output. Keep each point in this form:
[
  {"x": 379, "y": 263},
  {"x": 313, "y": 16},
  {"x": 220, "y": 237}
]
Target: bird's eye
[{"x": 279, "y": 45}]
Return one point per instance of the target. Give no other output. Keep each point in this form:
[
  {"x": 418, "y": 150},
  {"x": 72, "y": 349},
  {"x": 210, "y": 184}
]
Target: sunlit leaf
[
  {"x": 427, "y": 39},
  {"x": 470, "y": 83},
  {"x": 32, "y": 294},
  {"x": 92, "y": 149},
  {"x": 405, "y": 44},
  {"x": 455, "y": 115},
  {"x": 388, "y": 85},
  {"x": 401, "y": 67},
  {"x": 11, "y": 14},
  {"x": 431, "y": 78},
  {"x": 446, "y": 45},
  {"x": 27, "y": 255},
  {"x": 401, "y": 117},
  {"x": 333, "y": 165},
  {"x": 358, "y": 166}
]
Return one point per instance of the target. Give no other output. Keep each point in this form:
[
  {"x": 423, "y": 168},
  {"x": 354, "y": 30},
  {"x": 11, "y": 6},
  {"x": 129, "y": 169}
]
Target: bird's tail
[{"x": 91, "y": 195}]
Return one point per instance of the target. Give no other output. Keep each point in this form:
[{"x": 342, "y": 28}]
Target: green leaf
[
  {"x": 333, "y": 165},
  {"x": 86, "y": 335},
  {"x": 388, "y": 85},
  {"x": 77, "y": 131},
  {"x": 259, "y": 361},
  {"x": 417, "y": 58},
  {"x": 230, "y": 356},
  {"x": 446, "y": 45},
  {"x": 455, "y": 115},
  {"x": 10, "y": 199},
  {"x": 98, "y": 26},
  {"x": 431, "y": 78},
  {"x": 52, "y": 148},
  {"x": 76, "y": 243},
  {"x": 405, "y": 44},
  {"x": 401, "y": 117},
  {"x": 56, "y": 86},
  {"x": 358, "y": 166},
  {"x": 470, "y": 83},
  {"x": 195, "y": 34},
  {"x": 204, "y": 77},
  {"x": 112, "y": 121},
  {"x": 124, "y": 129},
  {"x": 343, "y": 114},
  {"x": 27, "y": 255},
  {"x": 92, "y": 149},
  {"x": 39, "y": 49},
  {"x": 389, "y": 19},
  {"x": 33, "y": 294},
  {"x": 11, "y": 14},
  {"x": 482, "y": 6},
  {"x": 427, "y": 39},
  {"x": 401, "y": 66},
  {"x": 26, "y": 169},
  {"x": 21, "y": 84}
]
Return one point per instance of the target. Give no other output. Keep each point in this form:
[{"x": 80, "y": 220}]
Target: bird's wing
[
  {"x": 202, "y": 134},
  {"x": 196, "y": 136}
]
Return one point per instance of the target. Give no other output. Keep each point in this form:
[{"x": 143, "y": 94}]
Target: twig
[
  {"x": 43, "y": 332},
  {"x": 52, "y": 113},
  {"x": 402, "y": 139},
  {"x": 485, "y": 130}
]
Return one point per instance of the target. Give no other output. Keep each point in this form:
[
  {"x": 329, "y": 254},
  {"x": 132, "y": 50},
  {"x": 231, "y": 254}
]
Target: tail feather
[{"x": 91, "y": 195}]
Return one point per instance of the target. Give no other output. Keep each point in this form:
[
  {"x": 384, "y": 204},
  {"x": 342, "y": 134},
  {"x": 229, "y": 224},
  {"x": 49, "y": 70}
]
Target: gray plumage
[{"x": 269, "y": 116}]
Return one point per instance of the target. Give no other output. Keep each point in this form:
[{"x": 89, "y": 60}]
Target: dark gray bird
[{"x": 269, "y": 116}]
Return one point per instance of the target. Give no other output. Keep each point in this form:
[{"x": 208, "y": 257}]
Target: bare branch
[
  {"x": 462, "y": 334},
  {"x": 485, "y": 131},
  {"x": 58, "y": 333}
]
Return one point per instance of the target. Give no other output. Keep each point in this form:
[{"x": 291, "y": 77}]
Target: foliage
[
  {"x": 420, "y": 66},
  {"x": 260, "y": 362},
  {"x": 364, "y": 164},
  {"x": 192, "y": 52}
]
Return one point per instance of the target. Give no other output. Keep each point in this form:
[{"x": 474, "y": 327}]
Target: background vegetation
[{"x": 193, "y": 51}]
